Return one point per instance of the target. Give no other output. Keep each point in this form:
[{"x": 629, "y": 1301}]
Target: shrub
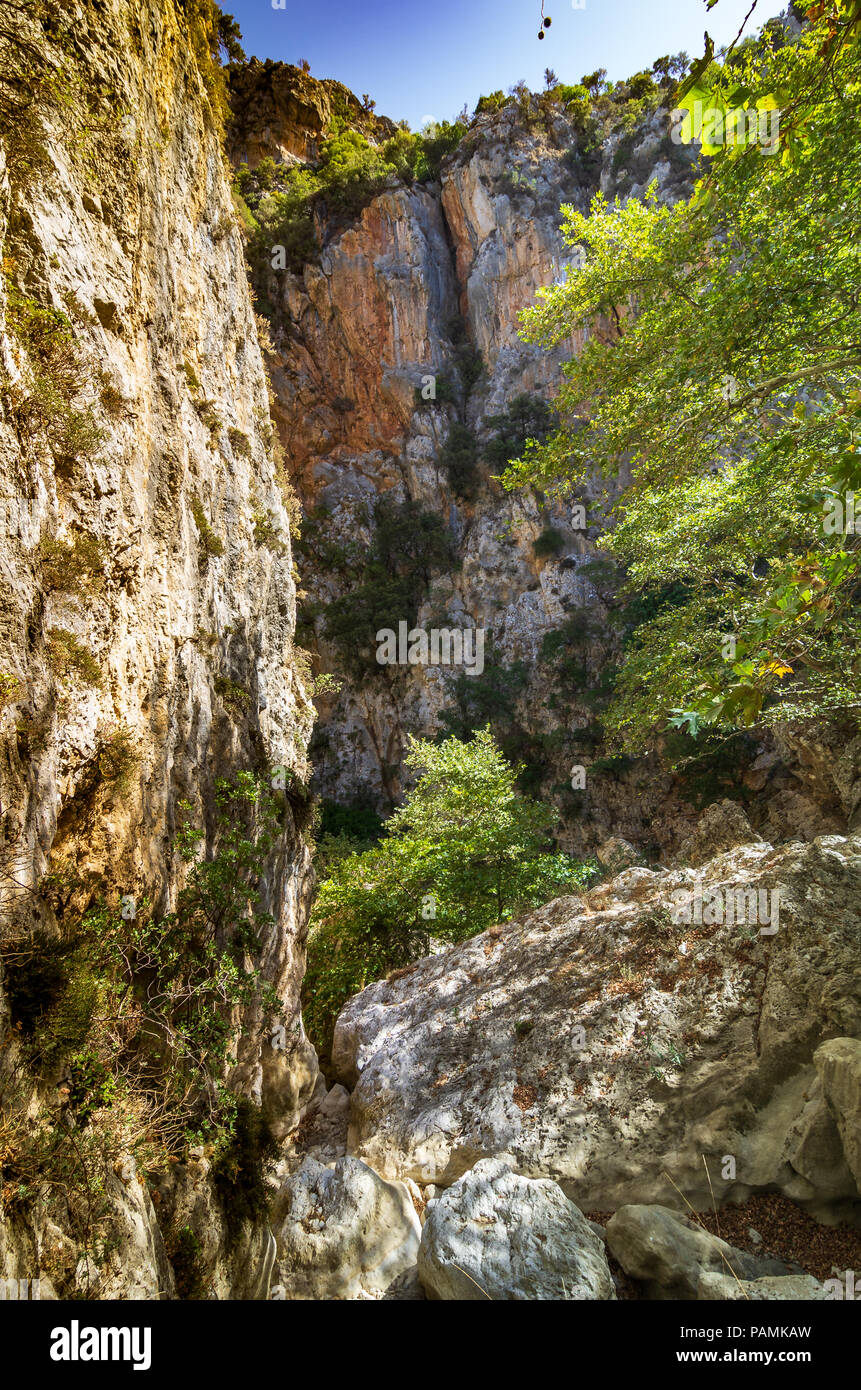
[
  {"x": 351, "y": 172},
  {"x": 642, "y": 84},
  {"x": 35, "y": 976},
  {"x": 325, "y": 684},
  {"x": 459, "y": 461},
  {"x": 142, "y": 1013},
  {"x": 468, "y": 361},
  {"x": 240, "y": 1171},
  {"x": 210, "y": 543},
  {"x": 209, "y": 417},
  {"x": 494, "y": 102},
  {"x": 75, "y": 566},
  {"x": 584, "y": 160},
  {"x": 47, "y": 336},
  {"x": 191, "y": 377},
  {"x": 213, "y": 36},
  {"x": 488, "y": 700},
  {"x": 464, "y": 851},
  {"x": 267, "y": 531},
  {"x": 33, "y": 732},
  {"x": 445, "y": 394},
  {"x": 57, "y": 374},
  {"x": 550, "y": 542},
  {"x": 118, "y": 758},
  {"x": 29, "y": 88},
  {"x": 75, "y": 435},
  {"x": 111, "y": 397},
  {"x": 235, "y": 696},
  {"x": 387, "y": 582},
  {"x": 186, "y": 1257},
  {"x": 67, "y": 654},
  {"x": 516, "y": 184},
  {"x": 9, "y": 688},
  {"x": 567, "y": 94},
  {"x": 405, "y": 153},
  {"x": 358, "y": 821},
  {"x": 51, "y": 992},
  {"x": 239, "y": 442},
  {"x": 289, "y": 497},
  {"x": 527, "y": 417},
  {"x": 439, "y": 142}
]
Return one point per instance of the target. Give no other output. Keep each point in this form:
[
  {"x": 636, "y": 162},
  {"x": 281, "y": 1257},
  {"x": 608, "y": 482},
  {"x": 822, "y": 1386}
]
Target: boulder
[
  {"x": 838, "y": 1063},
  {"x": 496, "y": 1235},
  {"x": 723, "y": 826},
  {"x": 668, "y": 1253},
  {"x": 815, "y": 1148},
  {"x": 607, "y": 1043},
  {"x": 617, "y": 854},
  {"x": 321, "y": 1134},
  {"x": 775, "y": 1289},
  {"x": 342, "y": 1232}
]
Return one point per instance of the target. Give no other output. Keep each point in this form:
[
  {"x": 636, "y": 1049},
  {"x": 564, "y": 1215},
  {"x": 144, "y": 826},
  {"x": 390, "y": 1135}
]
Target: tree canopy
[
  {"x": 465, "y": 850},
  {"x": 722, "y": 367}
]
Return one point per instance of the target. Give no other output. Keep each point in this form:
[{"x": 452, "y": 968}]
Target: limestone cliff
[
  {"x": 426, "y": 284},
  {"x": 147, "y": 636}
]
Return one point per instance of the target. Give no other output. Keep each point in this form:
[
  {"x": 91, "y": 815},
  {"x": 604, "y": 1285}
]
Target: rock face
[
  {"x": 146, "y": 637},
  {"x": 721, "y": 827},
  {"x": 342, "y": 1232},
  {"x": 839, "y": 1066},
  {"x": 601, "y": 1043},
  {"x": 372, "y": 320},
  {"x": 496, "y": 1235},
  {"x": 428, "y": 283},
  {"x": 425, "y": 276},
  {"x": 282, "y": 113}
]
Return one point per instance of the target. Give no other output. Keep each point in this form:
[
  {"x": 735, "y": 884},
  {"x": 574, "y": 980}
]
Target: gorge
[{"x": 256, "y": 413}]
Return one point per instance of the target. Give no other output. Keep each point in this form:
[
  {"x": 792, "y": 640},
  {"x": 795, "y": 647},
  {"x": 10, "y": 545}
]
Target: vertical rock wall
[{"x": 131, "y": 482}]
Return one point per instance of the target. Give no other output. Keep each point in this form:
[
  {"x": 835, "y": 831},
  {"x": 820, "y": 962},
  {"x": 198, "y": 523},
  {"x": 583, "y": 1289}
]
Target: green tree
[
  {"x": 527, "y": 417},
  {"x": 466, "y": 850},
  {"x": 459, "y": 461},
  {"x": 386, "y": 583},
  {"x": 724, "y": 364}
]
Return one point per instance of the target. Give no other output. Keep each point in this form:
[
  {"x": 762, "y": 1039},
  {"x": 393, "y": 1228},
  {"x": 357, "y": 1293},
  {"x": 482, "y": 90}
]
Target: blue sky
[{"x": 423, "y": 59}]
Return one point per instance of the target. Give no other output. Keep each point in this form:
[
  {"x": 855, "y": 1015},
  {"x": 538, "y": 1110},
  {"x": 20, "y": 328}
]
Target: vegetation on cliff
[
  {"x": 391, "y": 575},
  {"x": 724, "y": 363},
  {"x": 133, "y": 1014},
  {"x": 286, "y": 207}
]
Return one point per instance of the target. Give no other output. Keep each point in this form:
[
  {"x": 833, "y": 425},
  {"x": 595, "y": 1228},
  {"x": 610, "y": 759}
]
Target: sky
[{"x": 423, "y": 60}]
